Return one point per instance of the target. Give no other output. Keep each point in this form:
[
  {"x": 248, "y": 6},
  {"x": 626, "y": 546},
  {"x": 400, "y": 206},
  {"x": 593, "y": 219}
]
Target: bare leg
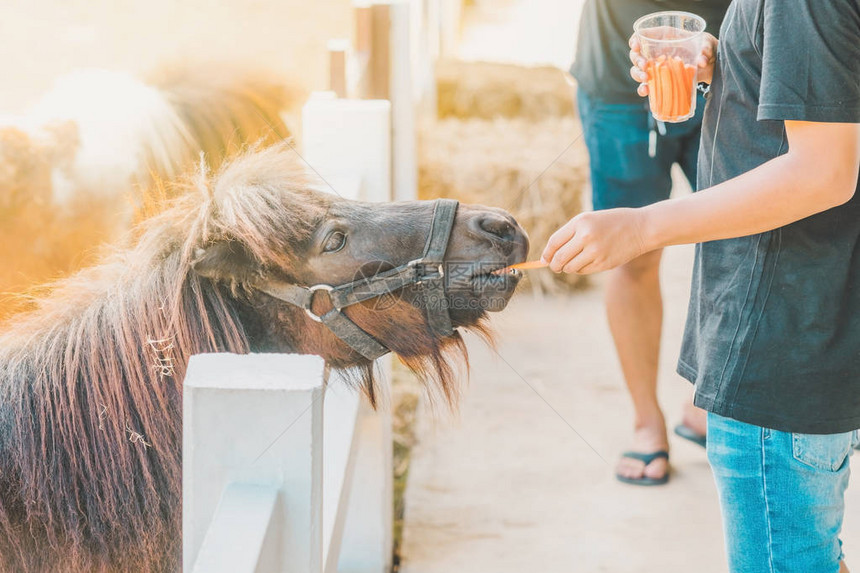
[
  {"x": 634, "y": 307},
  {"x": 695, "y": 418},
  {"x": 843, "y": 568}
]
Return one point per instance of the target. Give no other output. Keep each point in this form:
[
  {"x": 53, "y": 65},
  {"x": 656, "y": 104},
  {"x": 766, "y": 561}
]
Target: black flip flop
[
  {"x": 645, "y": 459},
  {"x": 692, "y": 435}
]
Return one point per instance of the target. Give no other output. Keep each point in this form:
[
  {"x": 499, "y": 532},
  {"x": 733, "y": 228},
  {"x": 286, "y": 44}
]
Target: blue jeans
[{"x": 781, "y": 495}]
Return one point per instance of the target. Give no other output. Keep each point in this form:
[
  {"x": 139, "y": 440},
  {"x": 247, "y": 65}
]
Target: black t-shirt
[
  {"x": 773, "y": 329},
  {"x": 602, "y": 65}
]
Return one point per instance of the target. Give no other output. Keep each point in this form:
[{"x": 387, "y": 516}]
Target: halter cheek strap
[
  {"x": 427, "y": 273},
  {"x": 435, "y": 301}
]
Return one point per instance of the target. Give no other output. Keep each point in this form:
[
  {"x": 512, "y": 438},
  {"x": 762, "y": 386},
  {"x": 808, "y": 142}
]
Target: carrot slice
[
  {"x": 682, "y": 76},
  {"x": 653, "y": 94},
  {"x": 689, "y": 84},
  {"x": 665, "y": 89},
  {"x": 680, "y": 107},
  {"x": 673, "y": 106},
  {"x": 528, "y": 265},
  {"x": 655, "y": 103},
  {"x": 691, "y": 73},
  {"x": 689, "y": 91}
]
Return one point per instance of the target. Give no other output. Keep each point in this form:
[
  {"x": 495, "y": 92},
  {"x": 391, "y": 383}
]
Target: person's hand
[
  {"x": 596, "y": 241},
  {"x": 705, "y": 62}
]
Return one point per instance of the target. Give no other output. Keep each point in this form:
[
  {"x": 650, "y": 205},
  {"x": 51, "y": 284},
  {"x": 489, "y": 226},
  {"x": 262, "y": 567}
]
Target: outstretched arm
[{"x": 818, "y": 172}]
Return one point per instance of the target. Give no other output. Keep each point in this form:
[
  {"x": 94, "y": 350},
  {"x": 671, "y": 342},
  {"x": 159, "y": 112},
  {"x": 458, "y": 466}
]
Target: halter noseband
[{"x": 427, "y": 273}]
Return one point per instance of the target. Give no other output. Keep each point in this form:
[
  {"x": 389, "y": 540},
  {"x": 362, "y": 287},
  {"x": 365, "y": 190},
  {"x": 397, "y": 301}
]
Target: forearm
[{"x": 777, "y": 193}]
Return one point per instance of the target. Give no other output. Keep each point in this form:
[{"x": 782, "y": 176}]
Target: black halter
[{"x": 427, "y": 272}]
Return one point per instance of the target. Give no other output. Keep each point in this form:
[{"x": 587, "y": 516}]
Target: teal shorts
[{"x": 619, "y": 142}]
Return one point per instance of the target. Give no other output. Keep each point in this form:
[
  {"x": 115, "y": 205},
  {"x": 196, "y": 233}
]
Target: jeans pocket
[{"x": 825, "y": 452}]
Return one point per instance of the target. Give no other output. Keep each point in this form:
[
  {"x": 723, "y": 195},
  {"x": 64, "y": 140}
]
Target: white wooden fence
[{"x": 285, "y": 469}]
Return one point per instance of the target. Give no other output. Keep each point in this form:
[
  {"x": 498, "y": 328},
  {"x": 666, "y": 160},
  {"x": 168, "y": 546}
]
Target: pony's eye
[{"x": 334, "y": 242}]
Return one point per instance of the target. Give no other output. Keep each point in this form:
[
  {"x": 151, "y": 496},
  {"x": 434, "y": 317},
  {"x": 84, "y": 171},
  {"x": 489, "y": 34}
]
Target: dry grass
[
  {"x": 406, "y": 392},
  {"x": 38, "y": 241},
  {"x": 535, "y": 169},
  {"x": 486, "y": 90}
]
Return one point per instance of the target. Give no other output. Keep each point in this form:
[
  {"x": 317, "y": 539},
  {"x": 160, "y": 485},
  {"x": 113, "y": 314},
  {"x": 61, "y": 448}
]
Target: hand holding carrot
[{"x": 597, "y": 241}]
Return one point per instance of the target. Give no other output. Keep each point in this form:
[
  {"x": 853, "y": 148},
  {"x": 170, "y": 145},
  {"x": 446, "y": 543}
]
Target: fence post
[
  {"x": 404, "y": 170},
  {"x": 425, "y": 45},
  {"x": 379, "y": 66},
  {"x": 337, "y": 73},
  {"x": 253, "y": 423},
  {"x": 363, "y": 48},
  {"x": 344, "y": 139}
]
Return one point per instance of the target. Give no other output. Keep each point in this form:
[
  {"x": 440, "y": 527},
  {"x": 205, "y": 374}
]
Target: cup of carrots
[{"x": 670, "y": 43}]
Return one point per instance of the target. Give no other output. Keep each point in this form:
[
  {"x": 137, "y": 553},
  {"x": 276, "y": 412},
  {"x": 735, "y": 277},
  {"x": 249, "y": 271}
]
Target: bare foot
[
  {"x": 695, "y": 418},
  {"x": 646, "y": 439}
]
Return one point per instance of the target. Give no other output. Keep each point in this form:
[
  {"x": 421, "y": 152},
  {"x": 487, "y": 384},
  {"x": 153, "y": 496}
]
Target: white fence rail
[{"x": 286, "y": 469}]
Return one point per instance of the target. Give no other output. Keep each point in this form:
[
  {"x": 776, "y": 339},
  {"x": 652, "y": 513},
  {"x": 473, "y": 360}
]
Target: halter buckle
[
  {"x": 421, "y": 275},
  {"x": 311, "y": 291}
]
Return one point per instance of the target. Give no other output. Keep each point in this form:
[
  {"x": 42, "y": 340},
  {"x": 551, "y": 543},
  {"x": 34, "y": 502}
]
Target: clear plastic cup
[{"x": 670, "y": 43}]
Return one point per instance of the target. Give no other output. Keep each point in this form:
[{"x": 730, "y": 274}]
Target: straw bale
[{"x": 490, "y": 90}]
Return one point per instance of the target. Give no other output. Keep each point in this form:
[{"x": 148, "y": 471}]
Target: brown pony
[{"x": 90, "y": 381}]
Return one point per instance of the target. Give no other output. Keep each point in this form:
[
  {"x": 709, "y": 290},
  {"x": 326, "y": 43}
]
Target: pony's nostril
[{"x": 498, "y": 226}]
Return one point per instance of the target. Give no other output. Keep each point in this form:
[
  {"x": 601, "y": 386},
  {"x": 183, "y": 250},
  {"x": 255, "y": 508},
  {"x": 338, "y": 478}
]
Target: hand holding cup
[{"x": 670, "y": 53}]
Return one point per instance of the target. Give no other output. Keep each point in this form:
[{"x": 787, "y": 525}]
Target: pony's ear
[{"x": 226, "y": 261}]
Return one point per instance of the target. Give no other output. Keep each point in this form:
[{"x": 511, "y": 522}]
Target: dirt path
[{"x": 513, "y": 485}]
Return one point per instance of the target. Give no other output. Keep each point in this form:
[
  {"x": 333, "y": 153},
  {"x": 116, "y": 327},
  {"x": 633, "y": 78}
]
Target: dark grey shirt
[{"x": 773, "y": 329}]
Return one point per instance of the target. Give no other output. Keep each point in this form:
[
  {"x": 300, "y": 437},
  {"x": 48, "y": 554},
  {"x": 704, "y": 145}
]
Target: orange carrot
[
  {"x": 653, "y": 99},
  {"x": 688, "y": 93},
  {"x": 665, "y": 88},
  {"x": 691, "y": 73},
  {"x": 681, "y": 105},
  {"x": 521, "y": 267},
  {"x": 688, "y": 79},
  {"x": 674, "y": 104},
  {"x": 527, "y": 265},
  {"x": 691, "y": 80}
]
